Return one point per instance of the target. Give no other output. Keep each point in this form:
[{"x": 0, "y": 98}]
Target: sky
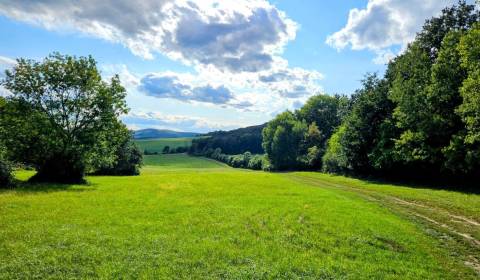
[{"x": 208, "y": 65}]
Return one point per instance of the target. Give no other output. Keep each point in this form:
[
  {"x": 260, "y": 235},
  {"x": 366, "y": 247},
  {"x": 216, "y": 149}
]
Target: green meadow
[
  {"x": 194, "y": 218},
  {"x": 157, "y": 145}
]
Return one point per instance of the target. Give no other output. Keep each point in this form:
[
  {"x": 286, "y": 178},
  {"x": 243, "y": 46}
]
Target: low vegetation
[{"x": 197, "y": 218}]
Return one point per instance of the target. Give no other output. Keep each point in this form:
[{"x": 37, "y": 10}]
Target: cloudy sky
[{"x": 206, "y": 65}]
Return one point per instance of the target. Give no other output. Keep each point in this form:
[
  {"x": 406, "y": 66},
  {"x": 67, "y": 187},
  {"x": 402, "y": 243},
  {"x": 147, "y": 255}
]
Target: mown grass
[
  {"x": 192, "y": 218},
  {"x": 157, "y": 145}
]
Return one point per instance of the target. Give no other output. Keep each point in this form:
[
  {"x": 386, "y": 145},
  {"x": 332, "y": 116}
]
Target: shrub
[
  {"x": 128, "y": 161},
  {"x": 6, "y": 178},
  {"x": 180, "y": 150},
  {"x": 166, "y": 149},
  {"x": 256, "y": 162}
]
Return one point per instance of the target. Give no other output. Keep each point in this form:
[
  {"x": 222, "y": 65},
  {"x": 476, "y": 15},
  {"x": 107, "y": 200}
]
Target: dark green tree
[
  {"x": 61, "y": 115},
  {"x": 361, "y": 129},
  {"x": 281, "y": 140},
  {"x": 128, "y": 158},
  {"x": 166, "y": 149}
]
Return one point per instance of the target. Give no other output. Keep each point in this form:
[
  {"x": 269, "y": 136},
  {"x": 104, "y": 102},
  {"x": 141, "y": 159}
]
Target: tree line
[
  {"x": 237, "y": 141},
  {"x": 62, "y": 119},
  {"x": 420, "y": 119}
]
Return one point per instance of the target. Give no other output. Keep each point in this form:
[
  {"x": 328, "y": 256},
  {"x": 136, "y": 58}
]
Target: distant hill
[
  {"x": 150, "y": 133},
  {"x": 231, "y": 142}
]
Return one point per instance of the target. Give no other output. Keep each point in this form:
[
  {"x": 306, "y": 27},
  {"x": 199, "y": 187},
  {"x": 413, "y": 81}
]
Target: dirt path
[{"x": 443, "y": 221}]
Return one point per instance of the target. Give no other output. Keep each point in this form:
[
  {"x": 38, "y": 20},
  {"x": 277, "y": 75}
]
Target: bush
[
  {"x": 128, "y": 161},
  {"x": 256, "y": 162},
  {"x": 166, "y": 150},
  {"x": 181, "y": 150},
  {"x": 237, "y": 161},
  {"x": 6, "y": 178}
]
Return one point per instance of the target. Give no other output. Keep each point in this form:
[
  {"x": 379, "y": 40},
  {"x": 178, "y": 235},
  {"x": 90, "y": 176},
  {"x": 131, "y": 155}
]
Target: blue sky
[{"x": 209, "y": 65}]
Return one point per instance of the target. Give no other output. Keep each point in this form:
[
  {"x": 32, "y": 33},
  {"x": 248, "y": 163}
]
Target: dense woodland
[
  {"x": 232, "y": 142},
  {"x": 419, "y": 120}
]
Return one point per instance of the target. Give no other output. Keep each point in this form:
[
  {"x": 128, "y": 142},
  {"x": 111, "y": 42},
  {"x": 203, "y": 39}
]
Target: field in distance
[
  {"x": 193, "y": 218},
  {"x": 157, "y": 145}
]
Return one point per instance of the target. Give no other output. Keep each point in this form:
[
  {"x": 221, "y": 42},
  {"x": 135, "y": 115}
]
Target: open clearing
[
  {"x": 157, "y": 145},
  {"x": 195, "y": 218}
]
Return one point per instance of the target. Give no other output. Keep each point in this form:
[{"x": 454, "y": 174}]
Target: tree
[
  {"x": 281, "y": 140},
  {"x": 460, "y": 17},
  {"x": 325, "y": 111},
  {"x": 6, "y": 177},
  {"x": 361, "y": 128},
  {"x": 166, "y": 149},
  {"x": 128, "y": 158},
  {"x": 61, "y": 115},
  {"x": 313, "y": 147},
  {"x": 463, "y": 153},
  {"x": 334, "y": 160}
]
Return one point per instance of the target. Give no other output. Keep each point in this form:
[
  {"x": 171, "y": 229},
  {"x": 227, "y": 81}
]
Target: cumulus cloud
[
  {"x": 248, "y": 92},
  {"x": 385, "y": 23},
  {"x": 149, "y": 119},
  {"x": 231, "y": 35},
  {"x": 170, "y": 85},
  {"x": 5, "y": 64}
]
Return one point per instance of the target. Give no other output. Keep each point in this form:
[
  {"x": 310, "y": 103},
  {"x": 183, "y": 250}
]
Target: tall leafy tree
[
  {"x": 362, "y": 127},
  {"x": 62, "y": 116},
  {"x": 281, "y": 140},
  {"x": 463, "y": 153}
]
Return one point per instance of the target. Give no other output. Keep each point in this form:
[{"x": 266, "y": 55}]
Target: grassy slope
[
  {"x": 194, "y": 218},
  {"x": 157, "y": 145}
]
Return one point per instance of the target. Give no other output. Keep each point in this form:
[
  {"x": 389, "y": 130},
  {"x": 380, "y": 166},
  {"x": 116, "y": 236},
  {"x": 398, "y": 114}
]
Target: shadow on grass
[
  {"x": 466, "y": 187},
  {"x": 470, "y": 186},
  {"x": 33, "y": 187}
]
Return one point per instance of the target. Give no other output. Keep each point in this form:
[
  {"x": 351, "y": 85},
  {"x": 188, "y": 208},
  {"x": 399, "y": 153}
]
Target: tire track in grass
[{"x": 417, "y": 210}]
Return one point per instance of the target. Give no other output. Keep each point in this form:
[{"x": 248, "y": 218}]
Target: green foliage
[
  {"x": 335, "y": 160},
  {"x": 231, "y": 142},
  {"x": 156, "y": 146},
  {"x": 281, "y": 140},
  {"x": 325, "y": 111},
  {"x": 421, "y": 119},
  {"x": 6, "y": 177},
  {"x": 61, "y": 115},
  {"x": 245, "y": 160},
  {"x": 463, "y": 153},
  {"x": 166, "y": 150},
  {"x": 127, "y": 162},
  {"x": 293, "y": 141}
]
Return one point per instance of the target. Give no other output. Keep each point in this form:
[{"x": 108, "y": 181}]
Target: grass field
[
  {"x": 194, "y": 218},
  {"x": 157, "y": 145}
]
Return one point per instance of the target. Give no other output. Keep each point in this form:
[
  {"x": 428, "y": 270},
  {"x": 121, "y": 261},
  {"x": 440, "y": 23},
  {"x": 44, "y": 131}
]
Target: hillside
[
  {"x": 151, "y": 133},
  {"x": 231, "y": 142},
  {"x": 157, "y": 145},
  {"x": 195, "y": 218}
]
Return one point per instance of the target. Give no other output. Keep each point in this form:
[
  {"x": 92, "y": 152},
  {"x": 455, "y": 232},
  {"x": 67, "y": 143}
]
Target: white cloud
[
  {"x": 234, "y": 47},
  {"x": 150, "y": 119},
  {"x": 170, "y": 85},
  {"x": 231, "y": 35},
  {"x": 385, "y": 23},
  {"x": 5, "y": 64}
]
